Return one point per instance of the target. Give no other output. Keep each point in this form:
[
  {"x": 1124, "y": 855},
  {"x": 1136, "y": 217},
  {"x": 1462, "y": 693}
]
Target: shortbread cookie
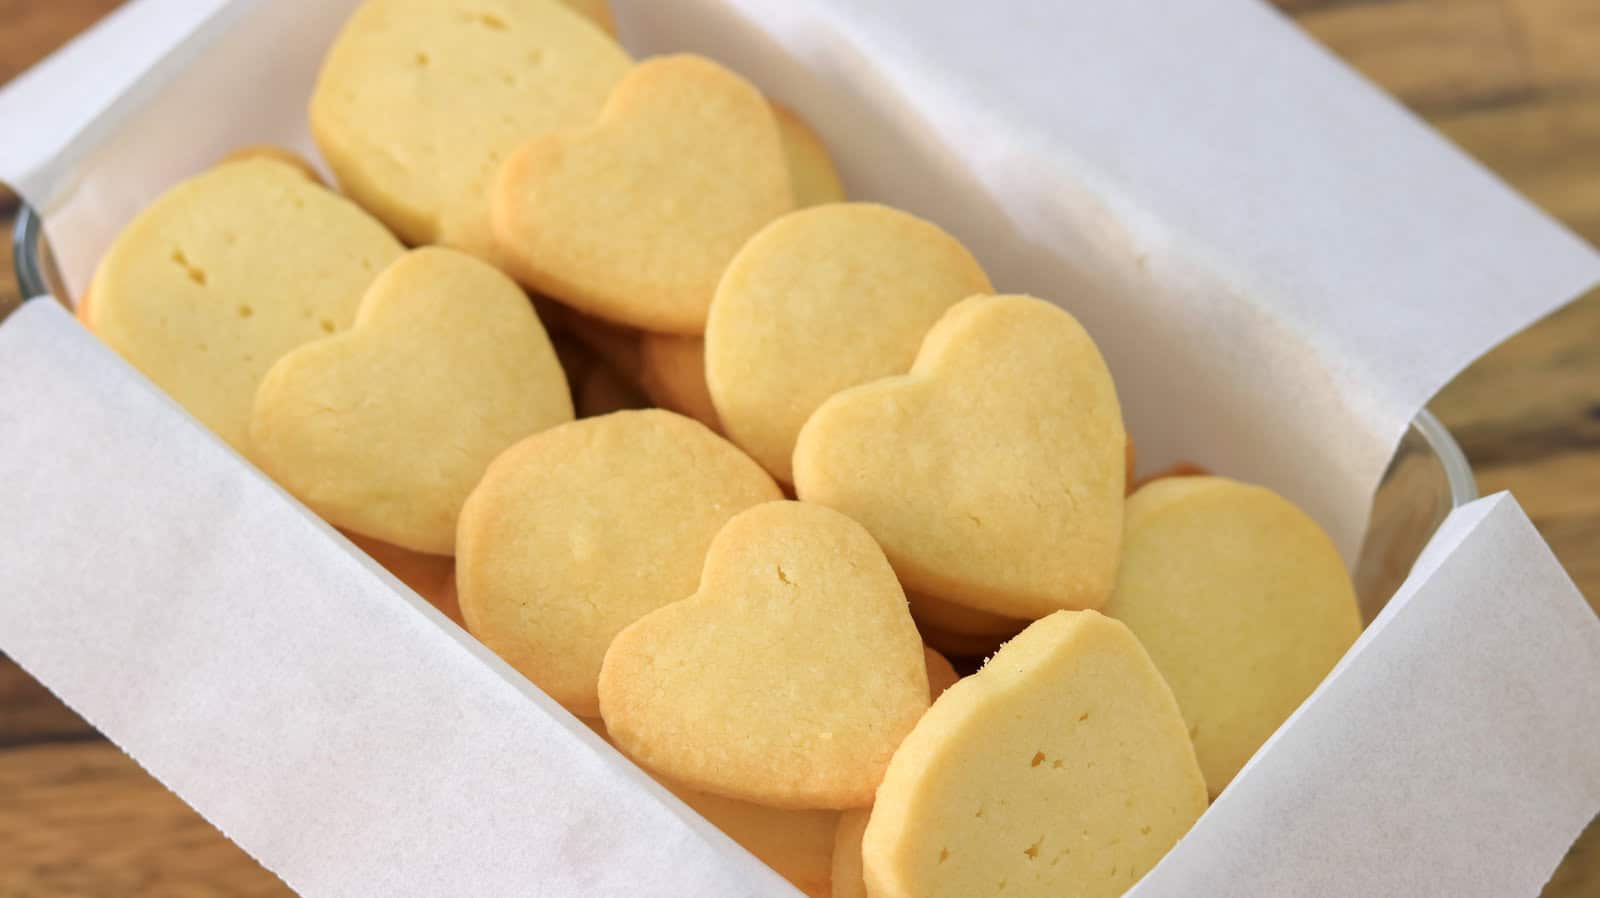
[
  {"x": 941, "y": 675},
  {"x": 811, "y": 172},
  {"x": 673, "y": 374},
  {"x": 419, "y": 101},
  {"x": 961, "y": 645},
  {"x": 823, "y": 299},
  {"x": 386, "y": 428},
  {"x": 992, "y": 474},
  {"x": 269, "y": 151},
  {"x": 1179, "y": 468},
  {"x": 1243, "y": 602},
  {"x": 431, "y": 576},
  {"x": 1061, "y": 768},
  {"x": 847, "y": 878},
  {"x": 786, "y": 679},
  {"x": 577, "y": 532},
  {"x": 207, "y": 287},
  {"x": 634, "y": 219}
]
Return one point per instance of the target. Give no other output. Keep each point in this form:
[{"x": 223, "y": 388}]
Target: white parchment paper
[{"x": 1280, "y": 264}]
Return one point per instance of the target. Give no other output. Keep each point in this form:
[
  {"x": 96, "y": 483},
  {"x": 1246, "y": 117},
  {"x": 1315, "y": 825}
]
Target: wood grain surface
[{"x": 1516, "y": 83}]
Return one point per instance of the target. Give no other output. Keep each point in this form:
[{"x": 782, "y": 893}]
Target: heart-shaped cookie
[
  {"x": 1060, "y": 768},
  {"x": 786, "y": 679},
  {"x": 992, "y": 474},
  {"x": 634, "y": 219},
  {"x": 213, "y": 282},
  {"x": 418, "y": 103},
  {"x": 386, "y": 428},
  {"x": 1243, "y": 603},
  {"x": 824, "y": 299},
  {"x": 580, "y": 530}
]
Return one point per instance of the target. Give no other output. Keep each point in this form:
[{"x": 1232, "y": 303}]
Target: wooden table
[{"x": 1514, "y": 82}]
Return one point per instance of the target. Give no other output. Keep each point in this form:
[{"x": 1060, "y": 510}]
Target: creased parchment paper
[{"x": 1280, "y": 264}]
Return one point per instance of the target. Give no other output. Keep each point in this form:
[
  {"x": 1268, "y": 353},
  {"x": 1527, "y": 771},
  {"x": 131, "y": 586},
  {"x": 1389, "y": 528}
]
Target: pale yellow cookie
[
  {"x": 941, "y": 674},
  {"x": 673, "y": 374},
  {"x": 419, "y": 101},
  {"x": 846, "y": 876},
  {"x": 1060, "y": 768},
  {"x": 269, "y": 151},
  {"x": 431, "y": 576},
  {"x": 578, "y": 531},
  {"x": 634, "y": 219},
  {"x": 1243, "y": 603},
  {"x": 386, "y": 428},
  {"x": 811, "y": 170},
  {"x": 212, "y": 283},
  {"x": 823, "y": 299},
  {"x": 786, "y": 679},
  {"x": 992, "y": 474}
]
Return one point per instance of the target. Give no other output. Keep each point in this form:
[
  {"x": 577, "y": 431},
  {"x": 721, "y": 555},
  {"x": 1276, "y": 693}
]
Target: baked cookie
[
  {"x": 578, "y": 531},
  {"x": 847, "y": 876},
  {"x": 1060, "y": 768},
  {"x": 786, "y": 679},
  {"x": 431, "y": 576},
  {"x": 960, "y": 645},
  {"x": 1179, "y": 468},
  {"x": 1243, "y": 603},
  {"x": 811, "y": 173},
  {"x": 992, "y": 474},
  {"x": 384, "y": 429},
  {"x": 269, "y": 151},
  {"x": 673, "y": 374},
  {"x": 823, "y": 299},
  {"x": 207, "y": 287},
  {"x": 419, "y": 101},
  {"x": 634, "y": 219}
]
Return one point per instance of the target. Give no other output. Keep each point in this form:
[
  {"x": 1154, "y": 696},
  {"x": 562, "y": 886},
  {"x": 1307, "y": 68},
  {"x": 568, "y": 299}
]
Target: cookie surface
[
  {"x": 634, "y": 219},
  {"x": 384, "y": 429},
  {"x": 788, "y": 677},
  {"x": 1061, "y": 768},
  {"x": 578, "y": 531},
  {"x": 1241, "y": 600},
  {"x": 992, "y": 474},
  {"x": 941, "y": 675},
  {"x": 811, "y": 171},
  {"x": 847, "y": 875},
  {"x": 823, "y": 299},
  {"x": 225, "y": 273},
  {"x": 673, "y": 374},
  {"x": 419, "y": 101}
]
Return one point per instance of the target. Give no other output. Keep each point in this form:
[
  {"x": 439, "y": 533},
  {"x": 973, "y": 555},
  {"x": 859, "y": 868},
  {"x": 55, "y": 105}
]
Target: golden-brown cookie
[
  {"x": 384, "y": 429},
  {"x": 941, "y": 675},
  {"x": 1243, "y": 603},
  {"x": 634, "y": 219},
  {"x": 1060, "y": 768},
  {"x": 419, "y": 101},
  {"x": 788, "y": 677},
  {"x": 847, "y": 878},
  {"x": 823, "y": 299},
  {"x": 580, "y": 530},
  {"x": 992, "y": 474},
  {"x": 431, "y": 576},
  {"x": 603, "y": 391},
  {"x": 225, "y": 273}
]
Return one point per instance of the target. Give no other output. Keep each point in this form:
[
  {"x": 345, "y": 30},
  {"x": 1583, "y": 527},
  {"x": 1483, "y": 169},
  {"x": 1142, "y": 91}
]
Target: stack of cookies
[{"x": 593, "y": 354}]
